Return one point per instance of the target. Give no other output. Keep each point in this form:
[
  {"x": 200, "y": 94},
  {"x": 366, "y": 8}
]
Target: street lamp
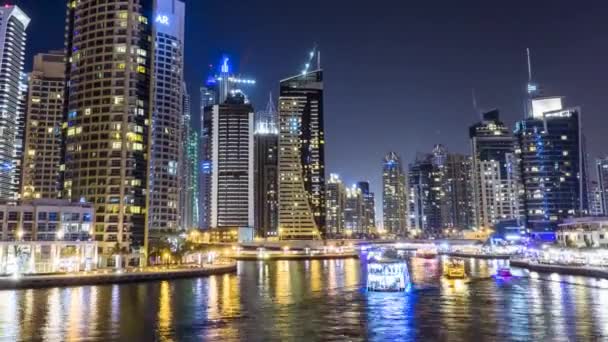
[
  {"x": 60, "y": 234},
  {"x": 19, "y": 234}
]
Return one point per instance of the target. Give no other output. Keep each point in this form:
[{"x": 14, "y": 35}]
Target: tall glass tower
[
  {"x": 301, "y": 156},
  {"x": 495, "y": 178},
  {"x": 551, "y": 158},
  {"x": 13, "y": 23},
  {"x": 394, "y": 195},
  {"x": 42, "y": 153}
]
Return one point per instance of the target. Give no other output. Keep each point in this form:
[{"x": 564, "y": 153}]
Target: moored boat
[
  {"x": 454, "y": 269},
  {"x": 387, "y": 275}
]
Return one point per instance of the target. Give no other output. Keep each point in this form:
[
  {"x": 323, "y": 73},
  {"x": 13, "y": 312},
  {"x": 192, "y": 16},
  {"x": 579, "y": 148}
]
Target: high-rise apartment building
[
  {"x": 266, "y": 142},
  {"x": 13, "y": 23},
  {"x": 166, "y": 166},
  {"x": 551, "y": 161},
  {"x": 44, "y": 117},
  {"x": 596, "y": 200},
  {"x": 354, "y": 212},
  {"x": 458, "y": 209},
  {"x": 369, "y": 202},
  {"x": 231, "y": 174},
  {"x": 301, "y": 157},
  {"x": 108, "y": 116},
  {"x": 426, "y": 181},
  {"x": 336, "y": 202},
  {"x": 394, "y": 195},
  {"x": 602, "y": 180},
  {"x": 20, "y": 136},
  {"x": 189, "y": 176},
  {"x": 440, "y": 195},
  {"x": 495, "y": 175}
]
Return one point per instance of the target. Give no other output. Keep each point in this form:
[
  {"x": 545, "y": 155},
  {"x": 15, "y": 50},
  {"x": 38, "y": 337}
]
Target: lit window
[{"x": 116, "y": 145}]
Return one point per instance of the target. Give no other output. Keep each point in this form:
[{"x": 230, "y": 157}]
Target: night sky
[{"x": 398, "y": 76}]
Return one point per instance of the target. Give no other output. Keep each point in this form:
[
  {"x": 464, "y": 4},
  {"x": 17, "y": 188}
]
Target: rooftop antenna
[
  {"x": 529, "y": 65},
  {"x": 270, "y": 108},
  {"x": 474, "y": 98},
  {"x": 318, "y": 59},
  {"x": 311, "y": 56}
]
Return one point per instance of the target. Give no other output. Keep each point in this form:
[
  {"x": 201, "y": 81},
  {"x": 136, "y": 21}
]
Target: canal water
[{"x": 322, "y": 300}]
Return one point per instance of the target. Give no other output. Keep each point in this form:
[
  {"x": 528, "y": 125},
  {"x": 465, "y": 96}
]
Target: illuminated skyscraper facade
[
  {"x": 42, "y": 152},
  {"x": 369, "y": 202},
  {"x": 394, "y": 195},
  {"x": 13, "y": 23},
  {"x": 602, "y": 180},
  {"x": 495, "y": 174},
  {"x": 301, "y": 157},
  {"x": 231, "y": 196},
  {"x": 108, "y": 116},
  {"x": 189, "y": 175},
  {"x": 166, "y": 166},
  {"x": 596, "y": 200},
  {"x": 354, "y": 212},
  {"x": 458, "y": 209},
  {"x": 551, "y": 160},
  {"x": 336, "y": 201},
  {"x": 266, "y": 141},
  {"x": 426, "y": 195}
]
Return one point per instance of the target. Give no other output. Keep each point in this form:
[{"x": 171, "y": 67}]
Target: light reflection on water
[{"x": 316, "y": 300}]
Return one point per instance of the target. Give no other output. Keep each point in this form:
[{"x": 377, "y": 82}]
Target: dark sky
[{"x": 398, "y": 74}]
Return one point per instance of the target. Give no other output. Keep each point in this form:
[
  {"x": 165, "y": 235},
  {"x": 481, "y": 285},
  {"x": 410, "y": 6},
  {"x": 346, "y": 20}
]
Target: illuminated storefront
[{"x": 28, "y": 257}]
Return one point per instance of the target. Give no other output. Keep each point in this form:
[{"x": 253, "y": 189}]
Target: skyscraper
[
  {"x": 189, "y": 176},
  {"x": 369, "y": 203},
  {"x": 495, "y": 177},
  {"x": 166, "y": 166},
  {"x": 426, "y": 182},
  {"x": 336, "y": 202},
  {"x": 20, "y": 136},
  {"x": 108, "y": 116},
  {"x": 266, "y": 141},
  {"x": 13, "y": 23},
  {"x": 354, "y": 212},
  {"x": 394, "y": 195},
  {"x": 602, "y": 180},
  {"x": 231, "y": 196},
  {"x": 596, "y": 200},
  {"x": 42, "y": 152},
  {"x": 551, "y": 164},
  {"x": 301, "y": 156},
  {"x": 458, "y": 205}
]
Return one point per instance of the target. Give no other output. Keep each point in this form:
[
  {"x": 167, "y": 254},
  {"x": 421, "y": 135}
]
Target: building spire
[
  {"x": 270, "y": 107},
  {"x": 474, "y": 99},
  {"x": 529, "y": 65}
]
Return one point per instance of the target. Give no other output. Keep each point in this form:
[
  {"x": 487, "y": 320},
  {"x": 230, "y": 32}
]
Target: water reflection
[{"x": 316, "y": 300}]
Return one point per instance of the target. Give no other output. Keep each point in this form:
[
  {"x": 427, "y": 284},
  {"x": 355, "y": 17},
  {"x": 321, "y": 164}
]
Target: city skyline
[{"x": 494, "y": 65}]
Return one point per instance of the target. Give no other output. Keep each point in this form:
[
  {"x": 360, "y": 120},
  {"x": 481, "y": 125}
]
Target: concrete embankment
[
  {"x": 477, "y": 256},
  {"x": 100, "y": 278},
  {"x": 562, "y": 269},
  {"x": 252, "y": 257}
]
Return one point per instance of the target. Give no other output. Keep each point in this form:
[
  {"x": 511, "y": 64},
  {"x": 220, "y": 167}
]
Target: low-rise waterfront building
[
  {"x": 584, "y": 232},
  {"x": 46, "y": 220}
]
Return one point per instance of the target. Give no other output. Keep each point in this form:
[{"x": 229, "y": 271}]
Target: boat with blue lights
[
  {"x": 504, "y": 272},
  {"x": 387, "y": 275}
]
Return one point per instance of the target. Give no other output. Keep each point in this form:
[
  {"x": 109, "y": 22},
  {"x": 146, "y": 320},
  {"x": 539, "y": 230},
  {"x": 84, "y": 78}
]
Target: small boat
[
  {"x": 504, "y": 272},
  {"x": 387, "y": 276},
  {"x": 426, "y": 253},
  {"x": 454, "y": 269}
]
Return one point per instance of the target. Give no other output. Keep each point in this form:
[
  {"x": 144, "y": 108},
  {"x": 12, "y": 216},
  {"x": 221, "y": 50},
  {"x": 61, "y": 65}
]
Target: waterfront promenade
[
  {"x": 101, "y": 276},
  {"x": 243, "y": 256},
  {"x": 586, "y": 271}
]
